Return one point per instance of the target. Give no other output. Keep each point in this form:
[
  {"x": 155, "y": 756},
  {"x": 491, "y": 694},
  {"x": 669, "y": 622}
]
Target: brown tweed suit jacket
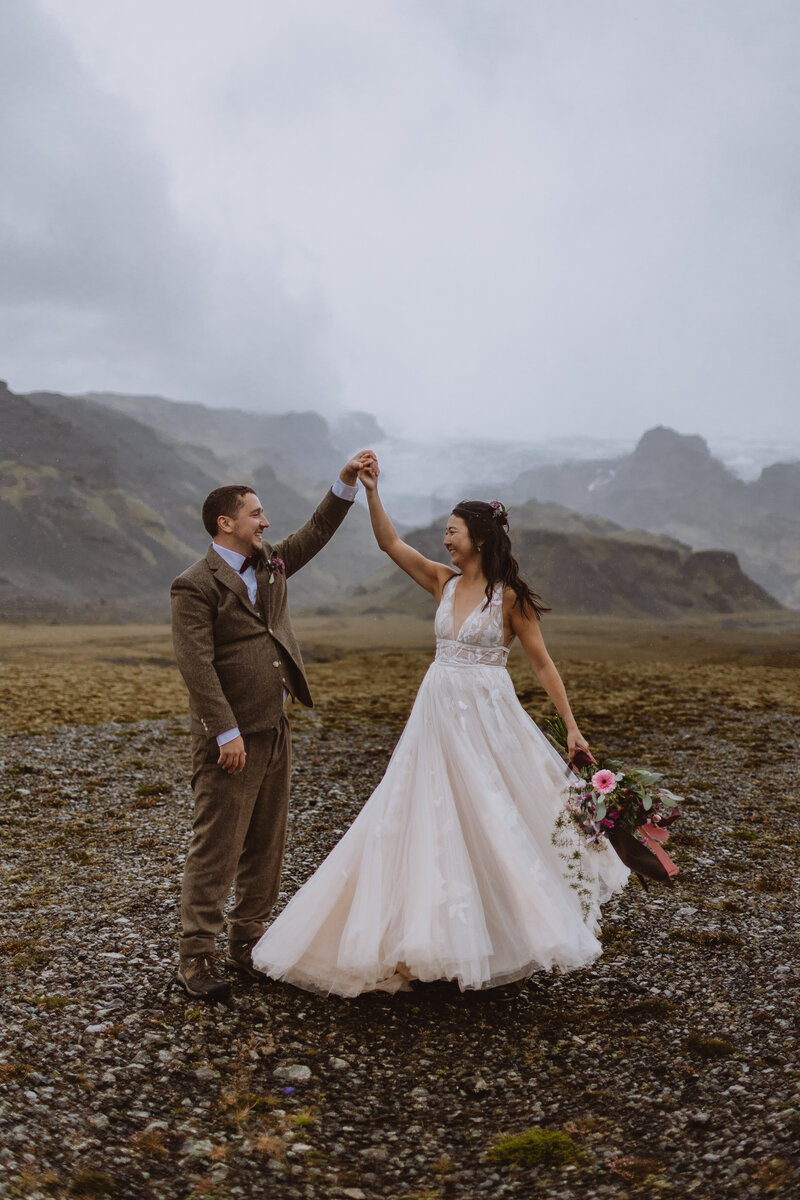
[{"x": 236, "y": 658}]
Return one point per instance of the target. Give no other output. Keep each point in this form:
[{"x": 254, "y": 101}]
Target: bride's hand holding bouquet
[{"x": 621, "y": 805}]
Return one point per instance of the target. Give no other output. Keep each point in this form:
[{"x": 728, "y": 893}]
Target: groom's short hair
[{"x": 224, "y": 502}]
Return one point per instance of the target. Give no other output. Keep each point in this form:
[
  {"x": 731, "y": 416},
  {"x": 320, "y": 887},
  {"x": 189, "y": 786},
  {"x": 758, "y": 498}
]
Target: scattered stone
[
  {"x": 135, "y": 1089},
  {"x": 375, "y": 1154},
  {"x": 198, "y": 1148},
  {"x": 206, "y": 1074},
  {"x": 294, "y": 1073}
]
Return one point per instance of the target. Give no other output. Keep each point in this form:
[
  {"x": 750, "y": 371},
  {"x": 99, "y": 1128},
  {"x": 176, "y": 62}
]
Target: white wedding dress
[{"x": 450, "y": 870}]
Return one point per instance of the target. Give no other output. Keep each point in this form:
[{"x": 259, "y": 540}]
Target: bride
[{"x": 451, "y": 871}]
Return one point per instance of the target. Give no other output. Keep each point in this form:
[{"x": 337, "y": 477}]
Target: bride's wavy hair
[{"x": 488, "y": 528}]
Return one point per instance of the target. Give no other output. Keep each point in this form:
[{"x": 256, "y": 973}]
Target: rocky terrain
[{"x": 670, "y": 1068}]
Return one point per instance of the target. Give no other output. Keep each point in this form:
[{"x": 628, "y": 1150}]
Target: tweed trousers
[{"x": 238, "y": 839}]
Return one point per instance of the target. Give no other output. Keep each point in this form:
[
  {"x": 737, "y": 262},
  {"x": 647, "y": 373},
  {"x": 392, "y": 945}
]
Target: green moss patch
[
  {"x": 709, "y": 1047},
  {"x": 533, "y": 1147}
]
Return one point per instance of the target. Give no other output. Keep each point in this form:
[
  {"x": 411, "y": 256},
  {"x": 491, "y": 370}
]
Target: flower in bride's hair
[
  {"x": 498, "y": 509},
  {"x": 604, "y": 781}
]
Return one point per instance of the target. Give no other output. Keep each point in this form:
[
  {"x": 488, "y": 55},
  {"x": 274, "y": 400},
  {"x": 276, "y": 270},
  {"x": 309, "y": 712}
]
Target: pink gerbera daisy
[{"x": 604, "y": 781}]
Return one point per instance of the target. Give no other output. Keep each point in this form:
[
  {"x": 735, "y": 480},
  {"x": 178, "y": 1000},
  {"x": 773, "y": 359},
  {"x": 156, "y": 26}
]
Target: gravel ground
[{"x": 672, "y": 1067}]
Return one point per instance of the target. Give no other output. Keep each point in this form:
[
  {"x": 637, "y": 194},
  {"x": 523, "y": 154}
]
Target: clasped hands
[{"x": 361, "y": 464}]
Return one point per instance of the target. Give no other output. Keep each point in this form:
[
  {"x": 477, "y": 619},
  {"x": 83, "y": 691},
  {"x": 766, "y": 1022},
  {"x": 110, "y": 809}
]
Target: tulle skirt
[{"x": 450, "y": 870}]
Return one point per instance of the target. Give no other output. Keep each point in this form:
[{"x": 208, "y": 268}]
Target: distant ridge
[
  {"x": 303, "y": 443},
  {"x": 671, "y": 484},
  {"x": 100, "y": 510},
  {"x": 611, "y": 572}
]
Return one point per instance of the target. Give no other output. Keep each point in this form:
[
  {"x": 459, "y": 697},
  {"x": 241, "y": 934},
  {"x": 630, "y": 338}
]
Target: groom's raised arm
[{"x": 300, "y": 547}]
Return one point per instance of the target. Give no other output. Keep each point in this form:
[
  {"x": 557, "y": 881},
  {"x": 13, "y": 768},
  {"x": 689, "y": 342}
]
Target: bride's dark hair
[{"x": 488, "y": 527}]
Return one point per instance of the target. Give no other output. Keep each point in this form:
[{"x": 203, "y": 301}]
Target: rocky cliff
[{"x": 671, "y": 484}]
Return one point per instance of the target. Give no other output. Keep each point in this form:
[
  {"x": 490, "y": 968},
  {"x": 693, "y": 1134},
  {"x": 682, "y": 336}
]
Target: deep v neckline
[{"x": 471, "y": 612}]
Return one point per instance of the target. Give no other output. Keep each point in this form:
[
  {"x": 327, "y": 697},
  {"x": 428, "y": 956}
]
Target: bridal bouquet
[{"x": 623, "y": 806}]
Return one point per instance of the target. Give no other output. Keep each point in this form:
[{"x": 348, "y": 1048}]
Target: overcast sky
[{"x": 510, "y": 217}]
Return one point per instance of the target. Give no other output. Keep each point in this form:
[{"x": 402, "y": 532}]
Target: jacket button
[{"x": 276, "y": 663}]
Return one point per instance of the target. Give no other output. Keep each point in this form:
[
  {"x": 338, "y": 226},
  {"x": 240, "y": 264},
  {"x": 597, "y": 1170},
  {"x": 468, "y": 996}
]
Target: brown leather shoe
[
  {"x": 240, "y": 956},
  {"x": 200, "y": 977}
]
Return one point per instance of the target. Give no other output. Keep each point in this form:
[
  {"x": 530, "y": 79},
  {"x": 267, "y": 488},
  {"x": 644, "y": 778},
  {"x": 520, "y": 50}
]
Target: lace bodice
[{"x": 479, "y": 641}]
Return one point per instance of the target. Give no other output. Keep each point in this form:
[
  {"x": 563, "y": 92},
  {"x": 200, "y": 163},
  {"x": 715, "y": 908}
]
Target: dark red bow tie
[{"x": 250, "y": 561}]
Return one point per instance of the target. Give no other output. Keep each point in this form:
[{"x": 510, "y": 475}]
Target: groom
[{"x": 239, "y": 658}]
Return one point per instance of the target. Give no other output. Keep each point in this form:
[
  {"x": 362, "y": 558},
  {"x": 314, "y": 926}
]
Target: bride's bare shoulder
[
  {"x": 509, "y": 600},
  {"x": 444, "y": 578}
]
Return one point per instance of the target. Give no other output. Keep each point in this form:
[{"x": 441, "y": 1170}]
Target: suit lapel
[{"x": 230, "y": 578}]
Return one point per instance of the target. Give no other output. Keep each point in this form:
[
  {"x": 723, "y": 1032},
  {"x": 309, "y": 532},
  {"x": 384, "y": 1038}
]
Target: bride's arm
[
  {"x": 529, "y": 633},
  {"x": 424, "y": 571}
]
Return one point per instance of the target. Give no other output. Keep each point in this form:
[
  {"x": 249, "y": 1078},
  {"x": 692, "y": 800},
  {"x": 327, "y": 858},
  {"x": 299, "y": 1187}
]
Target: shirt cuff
[
  {"x": 228, "y": 735},
  {"x": 344, "y": 490}
]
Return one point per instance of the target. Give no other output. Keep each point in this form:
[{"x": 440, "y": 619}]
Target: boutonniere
[{"x": 276, "y": 566}]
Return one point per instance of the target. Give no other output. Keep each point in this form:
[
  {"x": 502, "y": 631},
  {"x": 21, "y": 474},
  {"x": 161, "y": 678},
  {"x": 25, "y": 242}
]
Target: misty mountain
[
  {"x": 672, "y": 485},
  {"x": 98, "y": 513},
  {"x": 420, "y": 480},
  {"x": 584, "y": 564},
  {"x": 301, "y": 447},
  {"x": 668, "y": 484},
  {"x": 534, "y": 514}
]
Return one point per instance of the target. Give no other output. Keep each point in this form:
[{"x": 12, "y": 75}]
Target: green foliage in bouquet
[{"x": 605, "y": 796}]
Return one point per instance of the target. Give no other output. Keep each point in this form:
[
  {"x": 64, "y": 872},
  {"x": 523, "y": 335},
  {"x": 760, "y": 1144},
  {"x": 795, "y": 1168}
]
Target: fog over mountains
[
  {"x": 100, "y": 498},
  {"x": 673, "y": 485}
]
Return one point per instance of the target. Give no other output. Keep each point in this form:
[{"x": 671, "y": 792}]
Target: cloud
[
  {"x": 515, "y": 217},
  {"x": 104, "y": 282}
]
